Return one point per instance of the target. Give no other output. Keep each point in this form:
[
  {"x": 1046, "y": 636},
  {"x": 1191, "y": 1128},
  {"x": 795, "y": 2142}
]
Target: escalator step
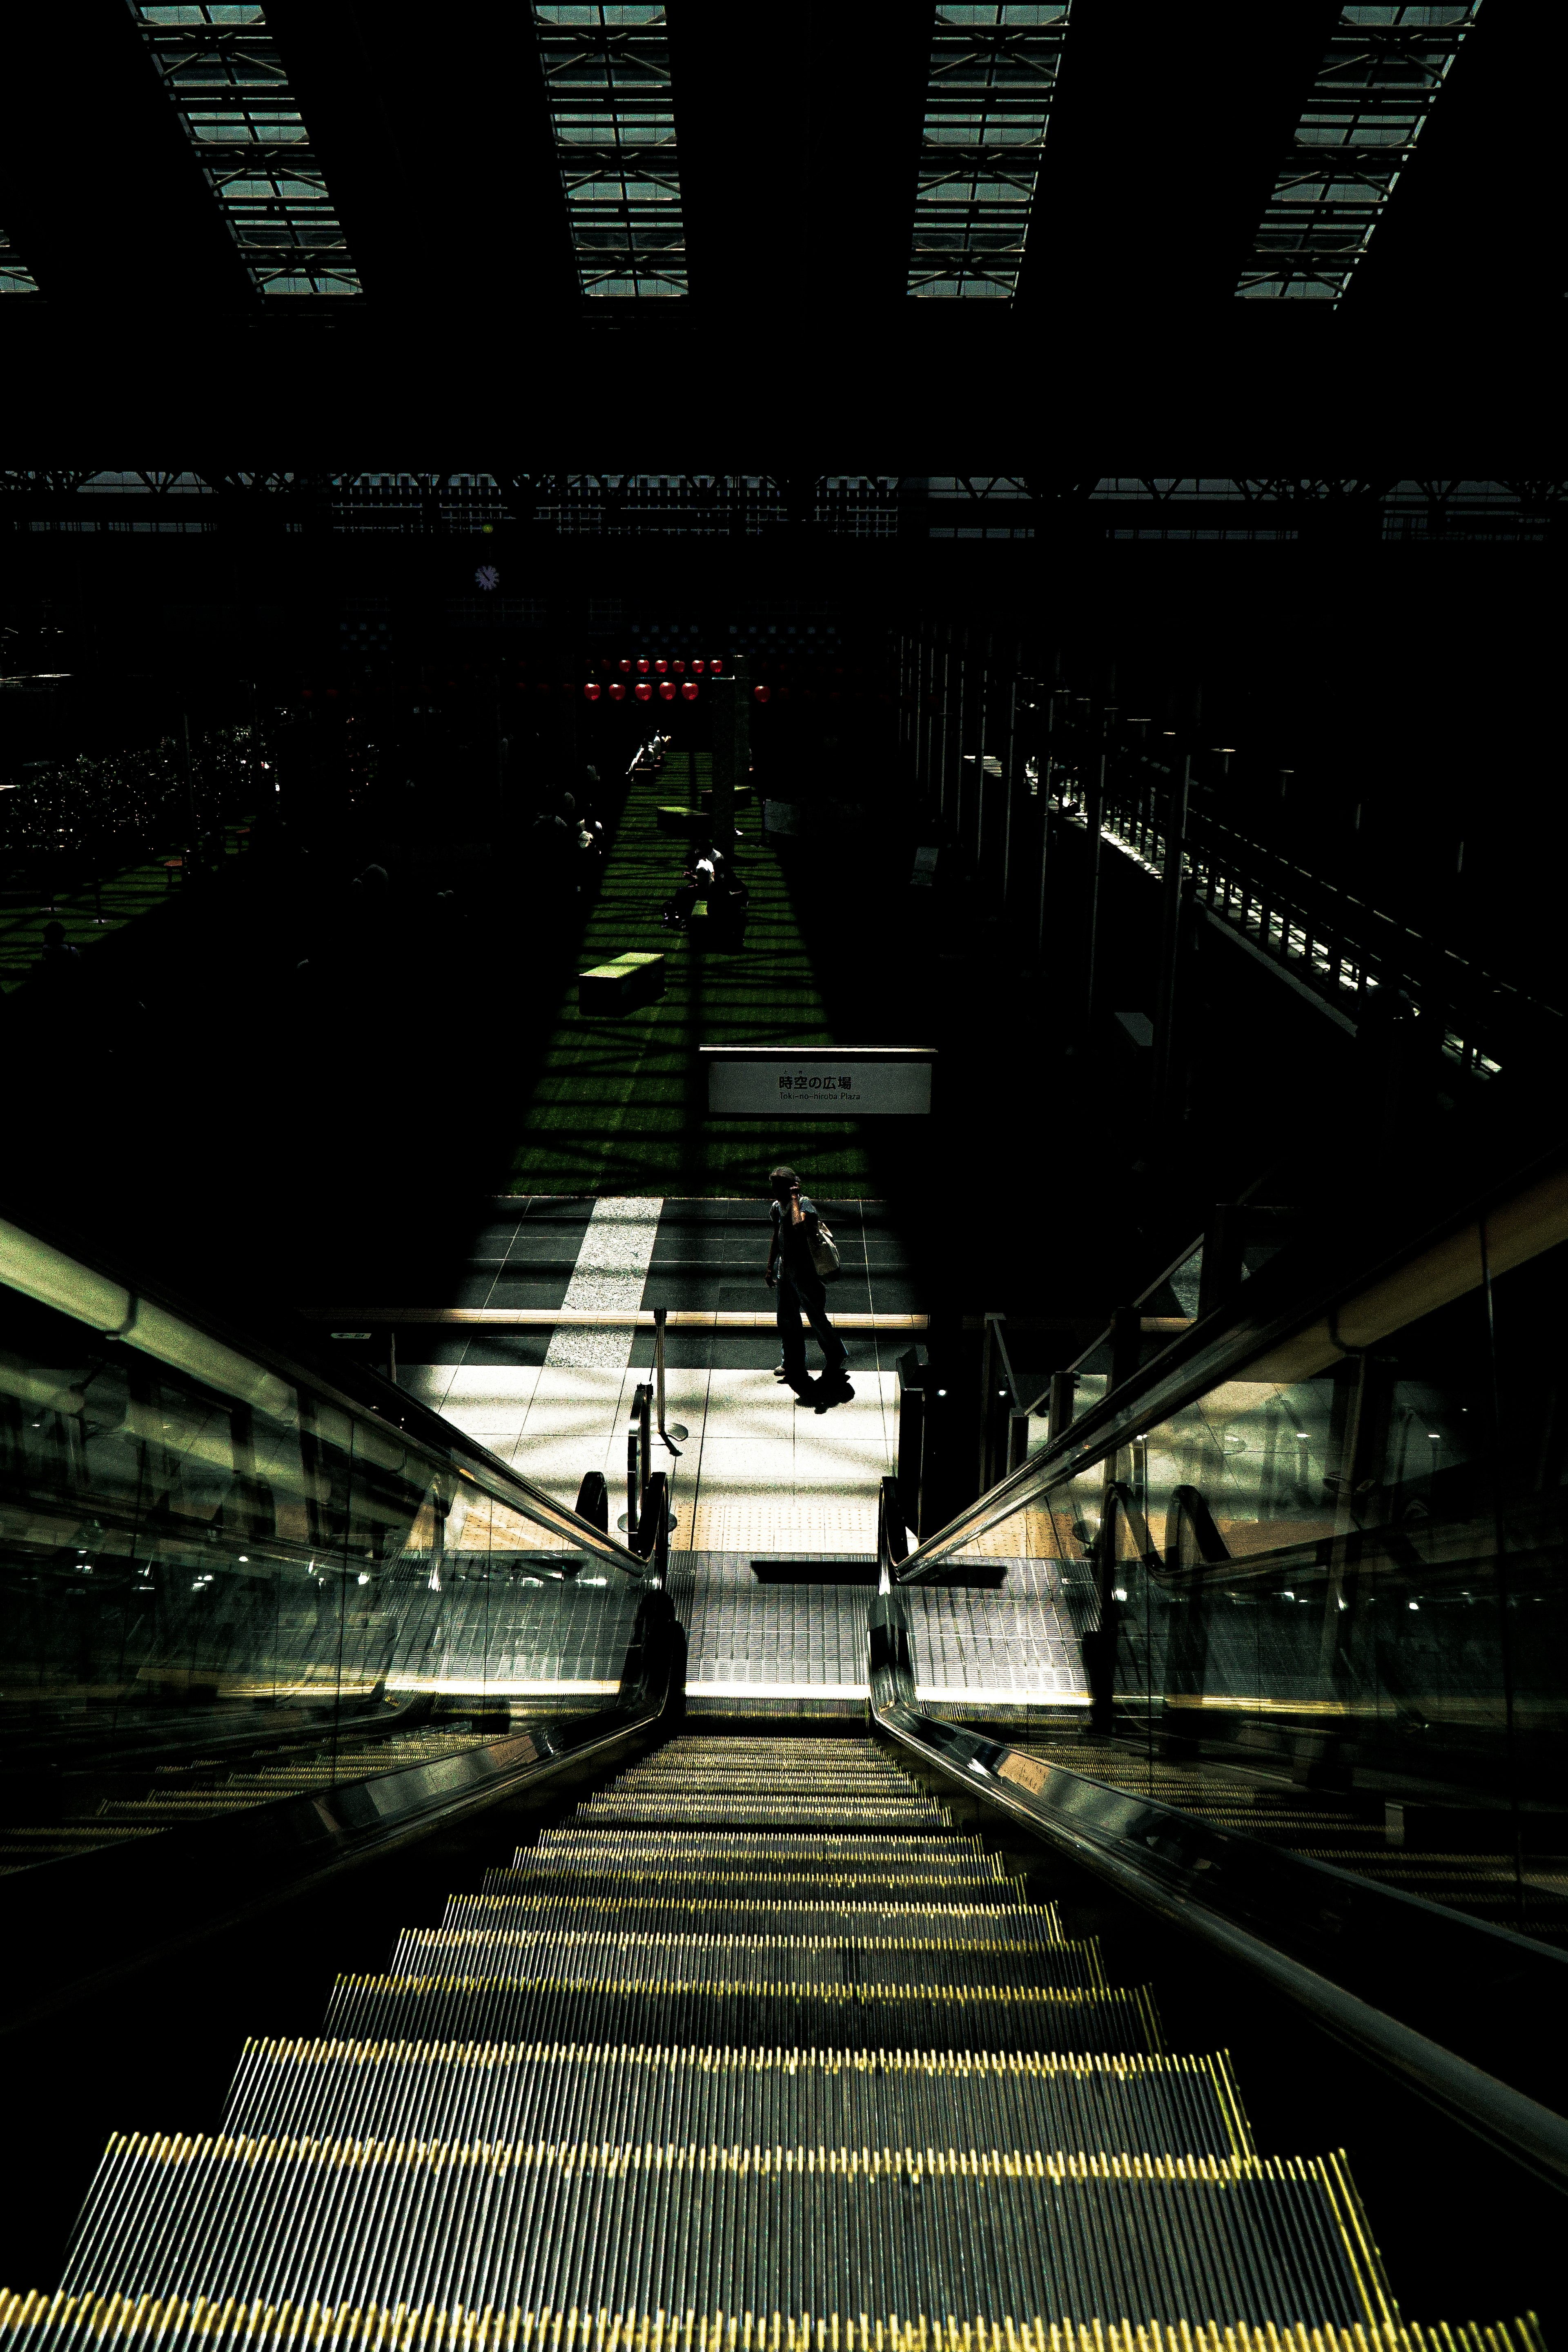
[
  {"x": 68, "y": 2323},
  {"x": 748, "y": 1868},
  {"x": 774, "y": 1961},
  {"x": 714, "y": 1877},
  {"x": 485, "y": 2091},
  {"x": 688, "y": 1807},
  {"x": 741, "y": 2011},
  {"x": 816, "y": 1915},
  {"x": 734, "y": 2227},
  {"x": 691, "y": 1846}
]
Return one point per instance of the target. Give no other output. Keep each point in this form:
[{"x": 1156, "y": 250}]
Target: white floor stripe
[{"x": 610, "y": 1274}]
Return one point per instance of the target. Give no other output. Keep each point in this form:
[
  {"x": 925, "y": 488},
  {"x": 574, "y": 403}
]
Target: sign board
[{"x": 819, "y": 1081}]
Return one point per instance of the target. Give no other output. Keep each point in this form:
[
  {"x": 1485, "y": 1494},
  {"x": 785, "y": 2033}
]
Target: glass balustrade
[
  {"x": 218, "y": 1569},
  {"x": 1323, "y": 1596}
]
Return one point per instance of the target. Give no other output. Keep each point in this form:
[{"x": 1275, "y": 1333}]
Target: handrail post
[
  {"x": 672, "y": 1429},
  {"x": 1059, "y": 1408},
  {"x": 630, "y": 1522},
  {"x": 656, "y": 1529},
  {"x": 1126, "y": 1336},
  {"x": 642, "y": 1405},
  {"x": 987, "y": 1348}
]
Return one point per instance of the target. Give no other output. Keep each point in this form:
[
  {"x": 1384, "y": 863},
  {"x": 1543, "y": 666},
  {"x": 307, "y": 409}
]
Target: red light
[
  {"x": 760, "y": 693},
  {"x": 679, "y": 668},
  {"x": 697, "y": 668},
  {"x": 617, "y": 689},
  {"x": 643, "y": 667},
  {"x": 642, "y": 691},
  {"x": 688, "y": 692},
  {"x": 591, "y": 690},
  {"x": 626, "y": 667},
  {"x": 661, "y": 666},
  {"x": 715, "y": 667},
  {"x": 667, "y": 689}
]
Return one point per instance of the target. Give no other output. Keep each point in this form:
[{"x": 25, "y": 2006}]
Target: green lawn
[
  {"x": 620, "y": 1106},
  {"x": 136, "y": 890}
]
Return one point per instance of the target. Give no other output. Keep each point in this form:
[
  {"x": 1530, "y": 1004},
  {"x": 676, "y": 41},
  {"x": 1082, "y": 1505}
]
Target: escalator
[
  {"x": 754, "y": 2048},
  {"x": 888, "y": 2033}
]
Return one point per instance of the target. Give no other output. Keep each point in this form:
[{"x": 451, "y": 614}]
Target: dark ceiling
[{"x": 1125, "y": 345}]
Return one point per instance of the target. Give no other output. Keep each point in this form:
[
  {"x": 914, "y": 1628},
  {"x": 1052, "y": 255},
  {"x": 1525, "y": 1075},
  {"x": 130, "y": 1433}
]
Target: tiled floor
[
  {"x": 756, "y": 1472},
  {"x": 705, "y": 1255}
]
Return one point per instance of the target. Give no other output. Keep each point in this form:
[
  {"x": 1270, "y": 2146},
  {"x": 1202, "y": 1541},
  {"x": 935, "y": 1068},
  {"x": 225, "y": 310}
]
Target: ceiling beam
[{"x": 917, "y": 390}]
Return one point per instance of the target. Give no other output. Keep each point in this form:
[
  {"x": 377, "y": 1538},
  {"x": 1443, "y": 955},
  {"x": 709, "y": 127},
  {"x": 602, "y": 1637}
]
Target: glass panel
[
  {"x": 216, "y": 1570},
  {"x": 228, "y": 82},
  {"x": 607, "y": 78},
  {"x": 988, "y": 106},
  {"x": 1375, "y": 88},
  {"x": 1331, "y": 1588},
  {"x": 16, "y": 277}
]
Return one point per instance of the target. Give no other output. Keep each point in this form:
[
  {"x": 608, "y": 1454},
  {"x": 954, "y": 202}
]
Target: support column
[
  {"x": 1098, "y": 730},
  {"x": 1164, "y": 1073},
  {"x": 1045, "y": 755},
  {"x": 978, "y": 726},
  {"x": 952, "y": 721},
  {"x": 1012, "y": 774},
  {"x": 731, "y": 696}
]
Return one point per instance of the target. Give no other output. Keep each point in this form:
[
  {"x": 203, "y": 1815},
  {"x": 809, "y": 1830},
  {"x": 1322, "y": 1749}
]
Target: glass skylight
[
  {"x": 607, "y": 77},
  {"x": 987, "y": 105},
  {"x": 16, "y": 277},
  {"x": 1375, "y": 90},
  {"x": 222, "y": 69}
]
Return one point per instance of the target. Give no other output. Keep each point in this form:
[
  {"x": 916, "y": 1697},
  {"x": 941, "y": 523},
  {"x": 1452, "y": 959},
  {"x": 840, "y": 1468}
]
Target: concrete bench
[
  {"x": 621, "y": 986},
  {"x": 698, "y": 822}
]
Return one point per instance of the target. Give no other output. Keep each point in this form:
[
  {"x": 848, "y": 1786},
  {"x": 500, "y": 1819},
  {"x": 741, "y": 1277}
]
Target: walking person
[{"x": 797, "y": 1236}]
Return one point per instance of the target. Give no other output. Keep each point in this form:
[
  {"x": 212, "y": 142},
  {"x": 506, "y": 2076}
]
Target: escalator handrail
[
  {"x": 1268, "y": 1311},
  {"x": 173, "y": 1889},
  {"x": 111, "y": 1305},
  {"x": 1167, "y": 1861}
]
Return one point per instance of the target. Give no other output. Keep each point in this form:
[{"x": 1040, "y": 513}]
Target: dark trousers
[{"x": 801, "y": 1291}]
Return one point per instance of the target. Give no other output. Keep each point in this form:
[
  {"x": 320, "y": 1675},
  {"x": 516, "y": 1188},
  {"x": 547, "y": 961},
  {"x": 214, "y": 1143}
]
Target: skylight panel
[
  {"x": 16, "y": 277},
  {"x": 607, "y": 77},
  {"x": 227, "y": 81},
  {"x": 1373, "y": 91},
  {"x": 987, "y": 107}
]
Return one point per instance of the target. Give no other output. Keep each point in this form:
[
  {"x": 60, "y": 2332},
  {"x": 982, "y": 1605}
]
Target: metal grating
[
  {"x": 987, "y": 107},
  {"x": 1375, "y": 90},
  {"x": 227, "y": 83},
  {"x": 607, "y": 78}
]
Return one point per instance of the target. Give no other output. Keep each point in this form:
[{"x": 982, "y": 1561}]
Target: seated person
[{"x": 676, "y": 911}]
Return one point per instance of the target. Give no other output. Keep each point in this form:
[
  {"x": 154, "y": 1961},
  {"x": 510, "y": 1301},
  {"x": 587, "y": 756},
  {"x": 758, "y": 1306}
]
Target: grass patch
[
  {"x": 122, "y": 899},
  {"x": 621, "y": 1103}
]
